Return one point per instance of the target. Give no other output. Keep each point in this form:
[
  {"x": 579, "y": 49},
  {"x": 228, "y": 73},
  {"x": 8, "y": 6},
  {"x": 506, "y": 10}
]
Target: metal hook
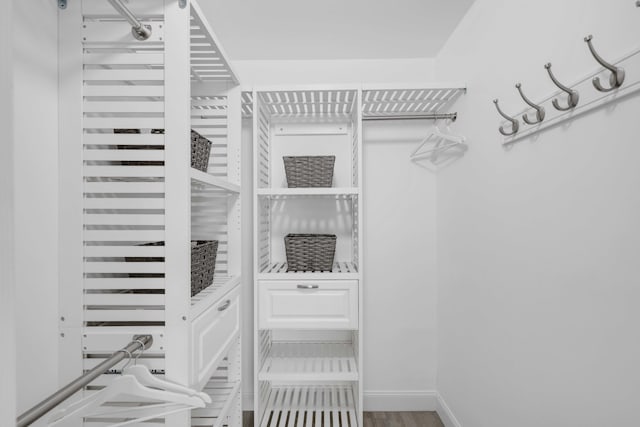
[
  {"x": 540, "y": 113},
  {"x": 515, "y": 124},
  {"x": 574, "y": 96},
  {"x": 617, "y": 74}
]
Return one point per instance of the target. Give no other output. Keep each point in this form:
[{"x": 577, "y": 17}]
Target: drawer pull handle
[
  {"x": 224, "y": 306},
  {"x": 308, "y": 286}
]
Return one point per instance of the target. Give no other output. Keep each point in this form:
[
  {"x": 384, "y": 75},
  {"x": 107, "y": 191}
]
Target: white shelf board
[
  {"x": 341, "y": 270},
  {"x": 223, "y": 395},
  {"x": 294, "y": 192},
  {"x": 300, "y": 406},
  {"x": 198, "y": 176},
  {"x": 212, "y": 294},
  {"x": 314, "y": 361}
]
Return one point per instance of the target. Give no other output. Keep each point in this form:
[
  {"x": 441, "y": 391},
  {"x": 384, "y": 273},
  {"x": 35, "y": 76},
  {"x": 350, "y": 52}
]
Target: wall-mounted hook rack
[{"x": 583, "y": 91}]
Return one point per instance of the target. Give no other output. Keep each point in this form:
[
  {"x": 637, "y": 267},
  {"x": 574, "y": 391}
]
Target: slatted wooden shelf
[
  {"x": 208, "y": 58},
  {"x": 406, "y": 102},
  {"x": 297, "y": 361},
  {"x": 301, "y": 192},
  {"x": 203, "y": 181},
  {"x": 223, "y": 396},
  {"x": 299, "y": 406},
  {"x": 341, "y": 270},
  {"x": 309, "y": 103},
  {"x": 208, "y": 296},
  {"x": 247, "y": 105}
]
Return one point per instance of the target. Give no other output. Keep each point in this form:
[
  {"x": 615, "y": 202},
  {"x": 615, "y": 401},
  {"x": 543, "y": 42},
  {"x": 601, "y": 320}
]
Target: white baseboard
[
  {"x": 400, "y": 400},
  {"x": 445, "y": 413},
  {"x": 382, "y": 400}
]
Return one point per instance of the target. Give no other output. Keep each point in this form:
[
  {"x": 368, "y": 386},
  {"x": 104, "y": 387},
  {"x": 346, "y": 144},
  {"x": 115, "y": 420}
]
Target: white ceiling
[{"x": 333, "y": 29}]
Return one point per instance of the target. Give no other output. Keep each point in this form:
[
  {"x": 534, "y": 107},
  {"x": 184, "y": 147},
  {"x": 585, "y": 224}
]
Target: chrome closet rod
[
  {"x": 138, "y": 30},
  {"x": 436, "y": 116},
  {"x": 139, "y": 342}
]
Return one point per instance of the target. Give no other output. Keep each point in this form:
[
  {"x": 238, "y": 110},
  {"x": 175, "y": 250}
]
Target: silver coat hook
[
  {"x": 617, "y": 74},
  {"x": 540, "y": 113},
  {"x": 574, "y": 96},
  {"x": 515, "y": 124}
]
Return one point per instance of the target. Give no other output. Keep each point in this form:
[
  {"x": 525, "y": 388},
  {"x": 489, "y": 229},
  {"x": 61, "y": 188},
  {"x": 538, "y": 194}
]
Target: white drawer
[
  {"x": 308, "y": 304},
  {"x": 212, "y": 333}
]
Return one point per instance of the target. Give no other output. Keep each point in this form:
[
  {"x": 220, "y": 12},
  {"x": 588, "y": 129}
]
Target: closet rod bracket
[
  {"x": 182, "y": 4},
  {"x": 145, "y": 340},
  {"x": 62, "y": 4}
]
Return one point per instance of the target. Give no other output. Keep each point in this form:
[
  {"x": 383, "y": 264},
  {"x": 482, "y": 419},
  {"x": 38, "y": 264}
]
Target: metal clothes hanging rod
[
  {"x": 139, "y": 342},
  {"x": 139, "y": 31},
  {"x": 441, "y": 116}
]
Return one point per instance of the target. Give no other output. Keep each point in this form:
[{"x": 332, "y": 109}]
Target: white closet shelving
[
  {"x": 125, "y": 190},
  {"x": 406, "y": 101},
  {"x": 308, "y": 324}
]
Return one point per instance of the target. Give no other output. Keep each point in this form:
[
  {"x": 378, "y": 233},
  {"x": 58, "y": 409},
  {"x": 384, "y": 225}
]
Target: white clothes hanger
[
  {"x": 147, "y": 379},
  {"x": 125, "y": 385},
  {"x": 442, "y": 141}
]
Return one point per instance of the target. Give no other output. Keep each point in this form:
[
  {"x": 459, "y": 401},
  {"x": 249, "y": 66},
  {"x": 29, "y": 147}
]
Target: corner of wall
[{"x": 7, "y": 279}]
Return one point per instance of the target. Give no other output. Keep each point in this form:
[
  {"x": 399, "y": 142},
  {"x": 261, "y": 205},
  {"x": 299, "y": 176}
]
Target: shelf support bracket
[{"x": 62, "y": 4}]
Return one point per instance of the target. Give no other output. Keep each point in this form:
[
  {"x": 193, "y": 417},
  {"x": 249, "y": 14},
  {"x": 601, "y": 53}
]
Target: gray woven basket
[
  {"x": 200, "y": 149},
  {"x": 203, "y": 262},
  {"x": 309, "y": 171},
  {"x": 310, "y": 252}
]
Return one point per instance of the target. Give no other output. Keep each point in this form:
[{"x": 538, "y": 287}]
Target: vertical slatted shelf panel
[
  {"x": 128, "y": 188},
  {"x": 311, "y": 377},
  {"x": 123, "y": 188}
]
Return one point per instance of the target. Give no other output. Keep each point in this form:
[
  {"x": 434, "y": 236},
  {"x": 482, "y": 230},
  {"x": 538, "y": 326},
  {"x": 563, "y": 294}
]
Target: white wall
[
  {"x": 7, "y": 284},
  {"x": 538, "y": 245},
  {"x": 400, "y": 274},
  {"x": 399, "y": 288},
  {"x": 36, "y": 197},
  {"x": 334, "y": 72}
]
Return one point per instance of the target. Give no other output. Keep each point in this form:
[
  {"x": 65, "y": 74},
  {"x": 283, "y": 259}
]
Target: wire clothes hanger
[{"x": 167, "y": 398}]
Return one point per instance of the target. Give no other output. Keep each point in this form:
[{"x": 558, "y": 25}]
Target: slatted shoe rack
[
  {"x": 308, "y": 325},
  {"x": 122, "y": 190}
]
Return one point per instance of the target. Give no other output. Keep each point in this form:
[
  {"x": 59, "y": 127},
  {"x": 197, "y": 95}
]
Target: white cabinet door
[
  {"x": 307, "y": 304},
  {"x": 211, "y": 335}
]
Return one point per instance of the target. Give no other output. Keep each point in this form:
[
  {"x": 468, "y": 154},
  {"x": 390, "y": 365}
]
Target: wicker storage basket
[
  {"x": 310, "y": 252},
  {"x": 309, "y": 171},
  {"x": 200, "y": 149},
  {"x": 203, "y": 262}
]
